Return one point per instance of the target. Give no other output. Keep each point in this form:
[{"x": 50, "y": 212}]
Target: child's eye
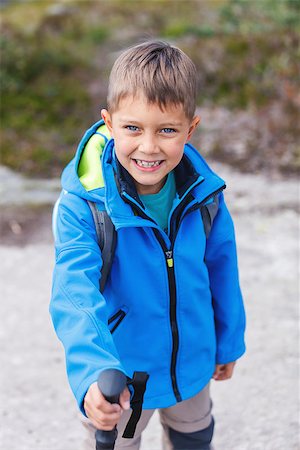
[
  {"x": 131, "y": 128},
  {"x": 168, "y": 130}
]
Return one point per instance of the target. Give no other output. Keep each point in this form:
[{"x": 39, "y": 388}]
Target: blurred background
[
  {"x": 55, "y": 62},
  {"x": 56, "y": 58}
]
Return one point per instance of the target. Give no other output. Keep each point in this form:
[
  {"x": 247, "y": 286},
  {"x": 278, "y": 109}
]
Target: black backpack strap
[
  {"x": 208, "y": 213},
  {"x": 106, "y": 235},
  {"x": 139, "y": 383}
]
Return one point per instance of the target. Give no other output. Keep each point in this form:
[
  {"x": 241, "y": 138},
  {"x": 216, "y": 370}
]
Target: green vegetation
[{"x": 55, "y": 60}]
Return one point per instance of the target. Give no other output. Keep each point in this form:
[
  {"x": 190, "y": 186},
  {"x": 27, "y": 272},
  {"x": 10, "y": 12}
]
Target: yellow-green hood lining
[{"x": 89, "y": 168}]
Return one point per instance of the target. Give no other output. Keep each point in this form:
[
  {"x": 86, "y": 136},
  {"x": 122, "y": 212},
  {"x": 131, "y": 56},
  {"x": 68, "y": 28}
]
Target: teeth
[{"x": 142, "y": 163}]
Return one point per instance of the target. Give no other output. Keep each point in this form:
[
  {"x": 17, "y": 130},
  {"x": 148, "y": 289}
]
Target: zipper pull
[{"x": 169, "y": 256}]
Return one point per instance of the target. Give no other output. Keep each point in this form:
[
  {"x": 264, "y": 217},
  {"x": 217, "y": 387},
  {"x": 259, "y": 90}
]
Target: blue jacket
[{"x": 172, "y": 304}]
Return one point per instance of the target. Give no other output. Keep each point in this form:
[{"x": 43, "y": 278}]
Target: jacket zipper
[
  {"x": 172, "y": 312},
  {"x": 172, "y": 290},
  {"x": 172, "y": 297}
]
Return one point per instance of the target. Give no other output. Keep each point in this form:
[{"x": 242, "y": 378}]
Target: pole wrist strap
[{"x": 138, "y": 382}]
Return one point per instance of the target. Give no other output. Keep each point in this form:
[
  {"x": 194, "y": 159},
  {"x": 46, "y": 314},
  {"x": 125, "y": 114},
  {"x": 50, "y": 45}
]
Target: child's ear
[
  {"x": 107, "y": 119},
  {"x": 195, "y": 122}
]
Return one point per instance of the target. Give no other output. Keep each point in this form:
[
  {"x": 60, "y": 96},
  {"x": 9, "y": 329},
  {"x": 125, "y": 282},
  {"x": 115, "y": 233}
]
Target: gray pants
[{"x": 188, "y": 416}]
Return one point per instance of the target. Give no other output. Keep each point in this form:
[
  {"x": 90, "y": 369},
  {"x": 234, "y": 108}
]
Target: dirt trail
[{"x": 256, "y": 410}]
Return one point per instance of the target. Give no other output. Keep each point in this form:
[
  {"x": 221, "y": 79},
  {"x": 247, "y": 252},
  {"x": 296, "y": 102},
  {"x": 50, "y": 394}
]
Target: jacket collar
[{"x": 191, "y": 175}]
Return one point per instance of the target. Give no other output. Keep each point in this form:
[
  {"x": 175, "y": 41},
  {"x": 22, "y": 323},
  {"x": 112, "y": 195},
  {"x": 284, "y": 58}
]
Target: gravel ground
[{"x": 257, "y": 410}]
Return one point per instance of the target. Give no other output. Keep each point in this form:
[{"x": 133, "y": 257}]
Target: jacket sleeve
[
  {"x": 221, "y": 261},
  {"x": 77, "y": 307}
]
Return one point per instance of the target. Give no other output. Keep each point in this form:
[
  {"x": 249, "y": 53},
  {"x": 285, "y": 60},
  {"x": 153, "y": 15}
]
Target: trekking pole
[{"x": 111, "y": 383}]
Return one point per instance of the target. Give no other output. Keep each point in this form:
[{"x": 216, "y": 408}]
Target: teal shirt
[{"x": 159, "y": 205}]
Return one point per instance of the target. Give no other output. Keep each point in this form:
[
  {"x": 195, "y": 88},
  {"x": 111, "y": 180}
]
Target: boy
[{"x": 172, "y": 299}]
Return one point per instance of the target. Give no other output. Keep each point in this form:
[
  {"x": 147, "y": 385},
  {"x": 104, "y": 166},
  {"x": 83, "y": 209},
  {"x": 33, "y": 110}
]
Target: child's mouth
[{"x": 147, "y": 164}]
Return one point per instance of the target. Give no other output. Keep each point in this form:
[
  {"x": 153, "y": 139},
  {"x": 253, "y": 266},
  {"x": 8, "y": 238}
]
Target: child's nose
[{"x": 149, "y": 145}]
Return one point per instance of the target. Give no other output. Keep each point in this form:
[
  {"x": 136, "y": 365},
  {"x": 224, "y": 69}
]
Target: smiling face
[{"x": 149, "y": 141}]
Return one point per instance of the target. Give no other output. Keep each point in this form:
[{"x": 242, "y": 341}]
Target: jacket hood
[
  {"x": 83, "y": 175},
  {"x": 91, "y": 173}
]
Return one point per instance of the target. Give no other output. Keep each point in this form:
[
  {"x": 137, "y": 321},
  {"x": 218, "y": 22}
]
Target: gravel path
[{"x": 257, "y": 410}]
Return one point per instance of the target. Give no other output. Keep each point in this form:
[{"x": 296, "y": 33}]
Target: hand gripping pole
[{"x": 111, "y": 383}]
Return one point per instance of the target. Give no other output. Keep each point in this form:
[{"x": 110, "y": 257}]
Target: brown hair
[{"x": 162, "y": 73}]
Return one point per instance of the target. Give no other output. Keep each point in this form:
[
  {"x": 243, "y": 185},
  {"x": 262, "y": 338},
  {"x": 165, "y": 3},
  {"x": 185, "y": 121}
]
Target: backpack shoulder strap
[
  {"x": 208, "y": 212},
  {"x": 106, "y": 235}
]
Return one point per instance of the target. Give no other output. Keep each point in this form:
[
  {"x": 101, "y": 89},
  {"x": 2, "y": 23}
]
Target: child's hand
[
  {"x": 104, "y": 415},
  {"x": 223, "y": 371}
]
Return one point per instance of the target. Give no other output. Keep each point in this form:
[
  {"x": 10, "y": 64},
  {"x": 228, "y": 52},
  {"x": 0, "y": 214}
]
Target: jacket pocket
[{"x": 115, "y": 320}]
